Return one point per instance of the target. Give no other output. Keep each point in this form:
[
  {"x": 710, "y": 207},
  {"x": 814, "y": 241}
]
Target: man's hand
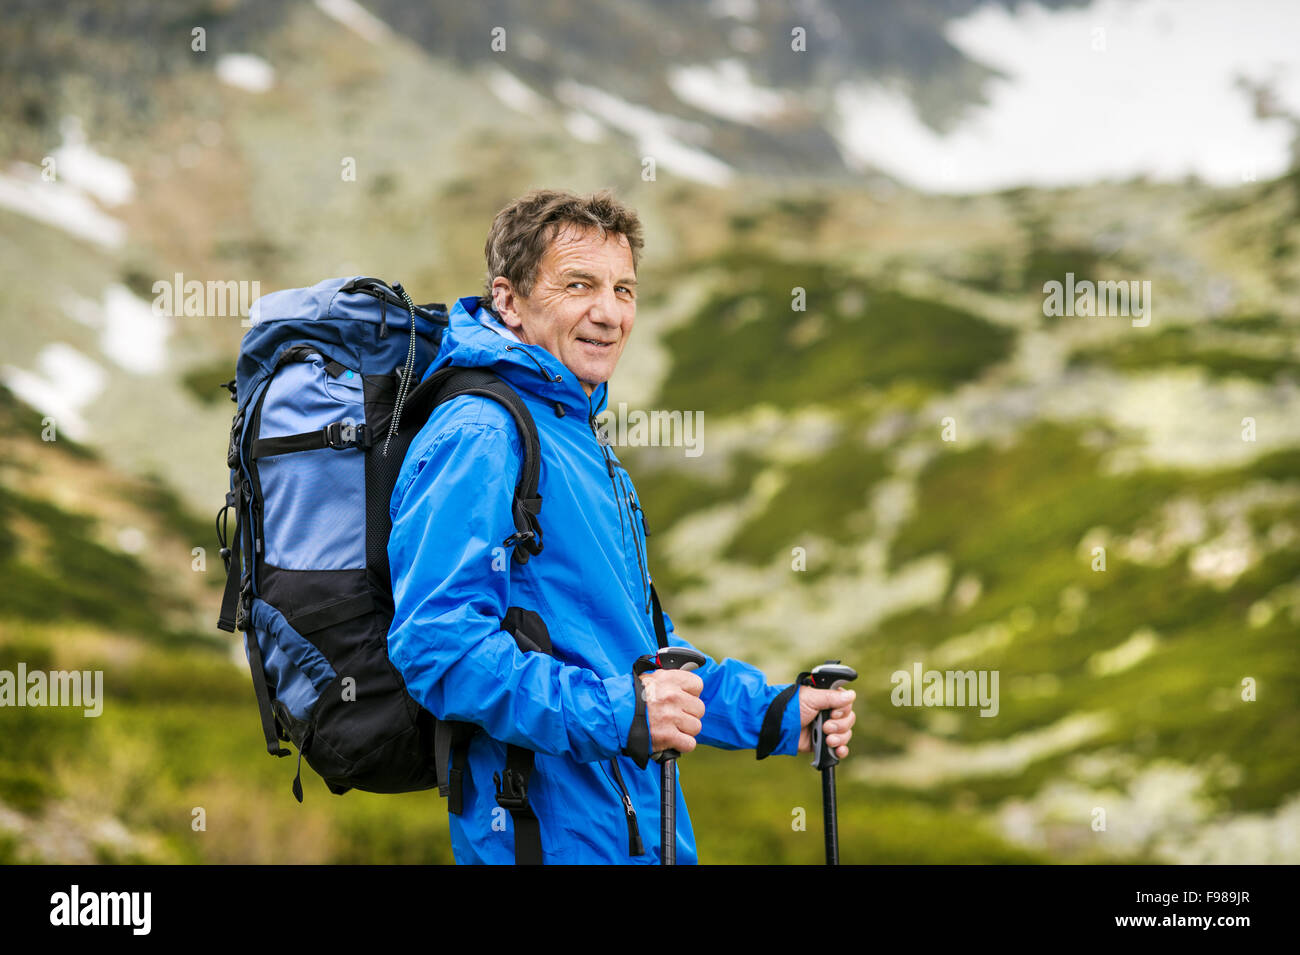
[
  {"x": 838, "y": 729},
  {"x": 673, "y": 708}
]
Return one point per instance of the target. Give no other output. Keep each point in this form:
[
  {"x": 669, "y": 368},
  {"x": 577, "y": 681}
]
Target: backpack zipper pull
[{"x": 404, "y": 383}]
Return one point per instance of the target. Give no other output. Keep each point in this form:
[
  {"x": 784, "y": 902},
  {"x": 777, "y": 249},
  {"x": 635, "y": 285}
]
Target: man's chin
[{"x": 589, "y": 385}]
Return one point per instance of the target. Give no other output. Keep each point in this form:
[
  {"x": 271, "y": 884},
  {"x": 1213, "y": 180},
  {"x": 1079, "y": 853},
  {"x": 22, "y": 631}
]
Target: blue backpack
[{"x": 327, "y": 404}]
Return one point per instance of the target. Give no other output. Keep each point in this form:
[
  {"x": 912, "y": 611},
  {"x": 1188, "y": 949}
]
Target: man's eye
[{"x": 572, "y": 284}]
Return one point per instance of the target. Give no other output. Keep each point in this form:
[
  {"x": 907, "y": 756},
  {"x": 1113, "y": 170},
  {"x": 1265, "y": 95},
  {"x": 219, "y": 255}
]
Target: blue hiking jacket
[{"x": 453, "y": 582}]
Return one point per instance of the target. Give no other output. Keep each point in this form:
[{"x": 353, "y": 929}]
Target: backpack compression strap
[
  {"x": 237, "y": 598},
  {"x": 530, "y": 633}
]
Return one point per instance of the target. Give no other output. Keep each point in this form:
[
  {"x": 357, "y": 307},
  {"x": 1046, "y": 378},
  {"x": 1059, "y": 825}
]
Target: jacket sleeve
[
  {"x": 736, "y": 698},
  {"x": 451, "y": 590}
]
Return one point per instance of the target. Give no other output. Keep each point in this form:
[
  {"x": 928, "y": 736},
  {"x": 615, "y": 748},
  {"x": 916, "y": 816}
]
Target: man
[{"x": 561, "y": 281}]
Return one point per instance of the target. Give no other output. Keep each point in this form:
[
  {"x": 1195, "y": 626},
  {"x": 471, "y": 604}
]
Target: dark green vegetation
[
  {"x": 670, "y": 493},
  {"x": 17, "y": 418},
  {"x": 748, "y": 346},
  {"x": 1184, "y": 346},
  {"x": 1015, "y": 518},
  {"x": 824, "y": 496},
  {"x": 204, "y": 382},
  {"x": 745, "y": 811},
  {"x": 1276, "y": 239},
  {"x": 55, "y": 563},
  {"x": 76, "y": 576},
  {"x": 228, "y": 187}
]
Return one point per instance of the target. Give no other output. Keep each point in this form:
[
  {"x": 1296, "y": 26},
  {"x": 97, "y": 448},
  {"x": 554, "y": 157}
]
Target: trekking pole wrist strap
[
  {"x": 769, "y": 736},
  {"x": 638, "y": 738}
]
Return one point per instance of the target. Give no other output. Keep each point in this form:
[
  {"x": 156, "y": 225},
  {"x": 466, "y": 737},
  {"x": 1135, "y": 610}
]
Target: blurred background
[{"x": 920, "y": 465}]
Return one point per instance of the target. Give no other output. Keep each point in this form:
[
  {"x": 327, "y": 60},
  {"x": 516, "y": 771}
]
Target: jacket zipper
[
  {"x": 634, "y": 845},
  {"x": 632, "y": 506},
  {"x": 609, "y": 469},
  {"x": 640, "y": 560}
]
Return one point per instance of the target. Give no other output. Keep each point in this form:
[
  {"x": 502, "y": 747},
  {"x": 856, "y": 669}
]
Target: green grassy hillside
[{"x": 903, "y": 461}]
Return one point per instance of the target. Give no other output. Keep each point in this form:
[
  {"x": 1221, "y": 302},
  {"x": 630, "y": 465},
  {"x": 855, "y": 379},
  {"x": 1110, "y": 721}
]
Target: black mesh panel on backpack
[{"x": 381, "y": 477}]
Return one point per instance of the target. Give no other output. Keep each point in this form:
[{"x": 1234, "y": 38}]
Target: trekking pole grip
[
  {"x": 675, "y": 658},
  {"x": 669, "y": 658},
  {"x": 830, "y": 675}
]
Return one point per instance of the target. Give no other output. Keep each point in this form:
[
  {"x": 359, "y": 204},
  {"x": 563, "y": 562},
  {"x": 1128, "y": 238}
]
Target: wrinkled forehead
[{"x": 573, "y": 245}]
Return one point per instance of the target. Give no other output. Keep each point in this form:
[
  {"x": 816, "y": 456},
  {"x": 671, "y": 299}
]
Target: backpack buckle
[
  {"x": 512, "y": 790},
  {"x": 232, "y": 450},
  {"x": 244, "y": 606},
  {"x": 518, "y": 537},
  {"x": 334, "y": 437}
]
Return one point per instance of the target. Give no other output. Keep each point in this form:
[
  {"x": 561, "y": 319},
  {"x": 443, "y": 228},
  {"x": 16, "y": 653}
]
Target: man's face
[{"x": 582, "y": 305}]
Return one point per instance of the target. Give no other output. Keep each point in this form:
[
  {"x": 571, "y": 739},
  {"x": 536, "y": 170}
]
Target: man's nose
[{"x": 604, "y": 310}]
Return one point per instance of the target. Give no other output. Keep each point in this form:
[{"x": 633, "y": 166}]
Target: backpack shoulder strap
[
  {"x": 452, "y": 382},
  {"x": 526, "y": 627}
]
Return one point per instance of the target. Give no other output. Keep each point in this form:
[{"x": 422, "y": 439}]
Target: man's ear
[{"x": 503, "y": 303}]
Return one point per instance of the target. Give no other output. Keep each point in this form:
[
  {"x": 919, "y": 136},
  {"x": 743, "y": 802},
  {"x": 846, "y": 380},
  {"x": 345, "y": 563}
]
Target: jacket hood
[{"x": 471, "y": 342}]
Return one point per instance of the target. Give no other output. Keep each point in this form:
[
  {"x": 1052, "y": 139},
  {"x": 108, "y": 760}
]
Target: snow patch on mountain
[
  {"x": 58, "y": 204},
  {"x": 246, "y": 71},
  {"x": 513, "y": 92},
  {"x": 658, "y": 136},
  {"x": 77, "y": 164},
  {"x": 131, "y": 332},
  {"x": 64, "y": 382},
  {"x": 356, "y": 18},
  {"x": 725, "y": 89},
  {"x": 1109, "y": 91}
]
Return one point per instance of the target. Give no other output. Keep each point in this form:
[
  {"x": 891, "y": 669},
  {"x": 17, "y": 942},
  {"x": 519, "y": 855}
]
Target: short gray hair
[{"x": 523, "y": 230}]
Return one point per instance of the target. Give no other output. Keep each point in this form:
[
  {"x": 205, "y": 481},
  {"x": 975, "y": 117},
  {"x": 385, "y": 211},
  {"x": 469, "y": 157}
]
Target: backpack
[{"x": 327, "y": 405}]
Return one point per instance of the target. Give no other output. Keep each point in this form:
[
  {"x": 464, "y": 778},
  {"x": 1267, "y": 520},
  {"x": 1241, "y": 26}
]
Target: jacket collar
[{"x": 472, "y": 341}]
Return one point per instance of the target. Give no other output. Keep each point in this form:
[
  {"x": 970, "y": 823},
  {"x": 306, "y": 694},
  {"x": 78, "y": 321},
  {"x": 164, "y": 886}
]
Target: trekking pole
[
  {"x": 830, "y": 675},
  {"x": 671, "y": 658}
]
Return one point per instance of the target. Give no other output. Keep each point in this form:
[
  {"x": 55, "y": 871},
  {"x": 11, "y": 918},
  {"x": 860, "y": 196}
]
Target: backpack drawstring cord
[{"x": 403, "y": 386}]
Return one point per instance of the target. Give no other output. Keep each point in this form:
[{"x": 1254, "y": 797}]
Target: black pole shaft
[
  {"x": 668, "y": 812},
  {"x": 829, "y": 815}
]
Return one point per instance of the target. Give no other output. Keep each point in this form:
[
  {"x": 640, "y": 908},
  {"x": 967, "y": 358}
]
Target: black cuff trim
[
  {"x": 770, "y": 735},
  {"x": 638, "y": 738}
]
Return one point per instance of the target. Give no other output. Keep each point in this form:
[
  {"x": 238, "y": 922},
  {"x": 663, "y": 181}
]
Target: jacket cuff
[
  {"x": 630, "y": 723},
  {"x": 790, "y": 728}
]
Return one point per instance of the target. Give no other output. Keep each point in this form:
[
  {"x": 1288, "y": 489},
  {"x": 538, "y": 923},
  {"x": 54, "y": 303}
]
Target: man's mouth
[{"x": 596, "y": 342}]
